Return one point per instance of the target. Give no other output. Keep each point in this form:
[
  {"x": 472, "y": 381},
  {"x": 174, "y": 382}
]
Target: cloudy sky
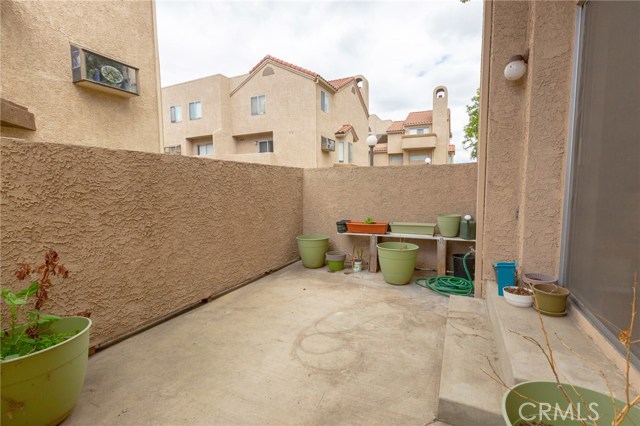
[{"x": 404, "y": 49}]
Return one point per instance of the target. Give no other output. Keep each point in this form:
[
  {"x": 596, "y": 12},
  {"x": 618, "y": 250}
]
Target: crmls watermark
[{"x": 547, "y": 411}]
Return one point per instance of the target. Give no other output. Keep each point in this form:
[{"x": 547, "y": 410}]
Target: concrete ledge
[
  {"x": 467, "y": 395},
  {"x": 14, "y": 115},
  {"x": 521, "y": 360}
]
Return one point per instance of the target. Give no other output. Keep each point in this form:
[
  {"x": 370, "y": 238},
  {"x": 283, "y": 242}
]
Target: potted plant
[
  {"x": 518, "y": 296},
  {"x": 357, "y": 254},
  {"x": 44, "y": 357},
  {"x": 397, "y": 261},
  {"x": 550, "y": 299},
  {"x": 368, "y": 226}
]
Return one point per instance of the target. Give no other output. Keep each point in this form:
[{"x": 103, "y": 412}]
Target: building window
[
  {"x": 205, "y": 149},
  {"x": 265, "y": 146},
  {"x": 340, "y": 152},
  {"x": 324, "y": 101},
  {"x": 350, "y": 153},
  {"x": 420, "y": 131},
  {"x": 195, "y": 110},
  {"x": 395, "y": 159},
  {"x": 176, "y": 113},
  {"x": 258, "y": 105},
  {"x": 418, "y": 158}
]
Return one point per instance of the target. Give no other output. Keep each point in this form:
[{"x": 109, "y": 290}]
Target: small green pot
[
  {"x": 335, "y": 260},
  {"x": 550, "y": 299},
  {"x": 312, "y": 248},
  {"x": 397, "y": 261},
  {"x": 518, "y": 407},
  {"x": 42, "y": 388},
  {"x": 449, "y": 224}
]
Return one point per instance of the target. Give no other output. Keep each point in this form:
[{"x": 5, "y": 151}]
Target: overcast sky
[{"x": 404, "y": 49}]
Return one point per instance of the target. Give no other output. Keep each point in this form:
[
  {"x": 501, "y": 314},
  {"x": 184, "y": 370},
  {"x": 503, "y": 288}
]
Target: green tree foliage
[{"x": 471, "y": 129}]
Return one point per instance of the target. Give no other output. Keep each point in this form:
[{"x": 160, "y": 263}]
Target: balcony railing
[{"x": 419, "y": 141}]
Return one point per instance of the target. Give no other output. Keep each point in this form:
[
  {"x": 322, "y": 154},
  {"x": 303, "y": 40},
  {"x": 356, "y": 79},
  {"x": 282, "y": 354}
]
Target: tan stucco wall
[
  {"x": 143, "y": 234},
  {"x": 526, "y": 125},
  {"x": 400, "y": 194},
  {"x": 36, "y": 71},
  {"x": 378, "y": 126}
]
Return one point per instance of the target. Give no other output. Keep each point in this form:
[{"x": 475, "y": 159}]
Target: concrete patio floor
[{"x": 300, "y": 346}]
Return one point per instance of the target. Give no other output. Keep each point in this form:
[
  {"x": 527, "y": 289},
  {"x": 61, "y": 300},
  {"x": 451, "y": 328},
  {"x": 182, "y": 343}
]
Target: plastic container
[
  {"x": 551, "y": 299},
  {"x": 413, "y": 228},
  {"x": 458, "y": 266},
  {"x": 342, "y": 226},
  {"x": 449, "y": 224},
  {"x": 468, "y": 229},
  {"x": 519, "y": 300},
  {"x": 397, "y": 261},
  {"x": 505, "y": 275},
  {"x": 335, "y": 260},
  {"x": 532, "y": 278},
  {"x": 312, "y": 249},
  {"x": 368, "y": 228}
]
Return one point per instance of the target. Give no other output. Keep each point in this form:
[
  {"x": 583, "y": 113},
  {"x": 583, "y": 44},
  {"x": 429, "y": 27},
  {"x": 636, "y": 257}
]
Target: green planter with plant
[
  {"x": 397, "y": 261},
  {"x": 44, "y": 357}
]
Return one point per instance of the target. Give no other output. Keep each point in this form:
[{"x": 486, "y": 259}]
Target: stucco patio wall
[
  {"x": 523, "y": 137},
  {"x": 143, "y": 235},
  {"x": 393, "y": 194}
]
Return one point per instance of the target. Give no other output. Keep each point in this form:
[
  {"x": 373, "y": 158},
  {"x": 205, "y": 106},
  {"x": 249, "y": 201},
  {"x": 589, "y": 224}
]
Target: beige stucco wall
[
  {"x": 526, "y": 134},
  {"x": 378, "y": 126},
  {"x": 143, "y": 234},
  {"x": 36, "y": 71},
  {"x": 400, "y": 194},
  {"x": 213, "y": 94}
]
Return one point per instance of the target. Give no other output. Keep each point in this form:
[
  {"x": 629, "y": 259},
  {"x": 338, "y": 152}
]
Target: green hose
[{"x": 447, "y": 285}]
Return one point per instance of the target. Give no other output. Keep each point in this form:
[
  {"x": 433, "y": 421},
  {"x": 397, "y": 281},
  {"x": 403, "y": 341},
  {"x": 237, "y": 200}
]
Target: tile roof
[
  {"x": 452, "y": 149},
  {"x": 396, "y": 126},
  {"x": 419, "y": 117},
  {"x": 286, "y": 64},
  {"x": 381, "y": 147},
  {"x": 341, "y": 82},
  {"x": 344, "y": 129}
]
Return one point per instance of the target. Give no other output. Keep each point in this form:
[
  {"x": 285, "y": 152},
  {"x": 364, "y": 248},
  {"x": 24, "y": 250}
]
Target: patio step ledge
[
  {"x": 468, "y": 396},
  {"x": 521, "y": 360}
]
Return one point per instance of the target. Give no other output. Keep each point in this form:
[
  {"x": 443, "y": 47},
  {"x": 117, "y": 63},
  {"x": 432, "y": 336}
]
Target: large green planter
[
  {"x": 449, "y": 224},
  {"x": 517, "y": 410},
  {"x": 42, "y": 388},
  {"x": 312, "y": 248},
  {"x": 397, "y": 261}
]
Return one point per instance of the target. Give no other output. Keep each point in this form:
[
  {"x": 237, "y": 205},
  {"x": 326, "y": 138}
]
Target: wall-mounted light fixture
[
  {"x": 427, "y": 160},
  {"x": 517, "y": 67}
]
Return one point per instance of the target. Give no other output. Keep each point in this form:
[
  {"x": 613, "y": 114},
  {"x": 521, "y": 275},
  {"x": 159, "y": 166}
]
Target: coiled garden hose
[{"x": 447, "y": 285}]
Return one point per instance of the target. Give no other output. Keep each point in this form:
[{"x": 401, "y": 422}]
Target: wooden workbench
[{"x": 440, "y": 241}]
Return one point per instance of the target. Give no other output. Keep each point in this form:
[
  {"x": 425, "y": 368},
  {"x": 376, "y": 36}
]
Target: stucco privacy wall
[
  {"x": 526, "y": 138},
  {"x": 394, "y": 194},
  {"x": 143, "y": 234},
  {"x": 36, "y": 71}
]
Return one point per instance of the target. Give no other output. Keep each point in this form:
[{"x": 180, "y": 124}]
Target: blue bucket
[{"x": 505, "y": 275}]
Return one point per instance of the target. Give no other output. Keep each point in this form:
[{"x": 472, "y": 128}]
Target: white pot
[{"x": 516, "y": 299}]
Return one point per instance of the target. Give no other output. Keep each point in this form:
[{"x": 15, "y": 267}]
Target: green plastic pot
[
  {"x": 449, "y": 224},
  {"x": 550, "y": 299},
  {"x": 335, "y": 260},
  {"x": 312, "y": 248},
  {"x": 518, "y": 410},
  {"x": 397, "y": 261},
  {"x": 42, "y": 388}
]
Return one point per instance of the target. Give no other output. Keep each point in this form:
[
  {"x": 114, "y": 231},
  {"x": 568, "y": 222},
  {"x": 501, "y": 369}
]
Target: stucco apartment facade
[
  {"x": 278, "y": 113},
  {"x": 422, "y": 136},
  {"x": 69, "y": 83}
]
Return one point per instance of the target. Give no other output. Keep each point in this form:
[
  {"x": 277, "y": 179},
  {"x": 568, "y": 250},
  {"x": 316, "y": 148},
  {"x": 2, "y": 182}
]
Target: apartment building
[
  {"x": 424, "y": 136},
  {"x": 72, "y": 73},
  {"x": 278, "y": 113}
]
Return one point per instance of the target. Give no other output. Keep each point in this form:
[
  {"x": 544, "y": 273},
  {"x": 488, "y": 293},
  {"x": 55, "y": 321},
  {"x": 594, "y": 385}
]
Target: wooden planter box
[{"x": 368, "y": 228}]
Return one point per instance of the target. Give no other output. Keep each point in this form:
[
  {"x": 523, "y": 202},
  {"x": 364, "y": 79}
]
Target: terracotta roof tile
[
  {"x": 341, "y": 82},
  {"x": 419, "y": 117},
  {"x": 396, "y": 126},
  {"x": 344, "y": 129},
  {"x": 287, "y": 64},
  {"x": 452, "y": 148},
  {"x": 381, "y": 147}
]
